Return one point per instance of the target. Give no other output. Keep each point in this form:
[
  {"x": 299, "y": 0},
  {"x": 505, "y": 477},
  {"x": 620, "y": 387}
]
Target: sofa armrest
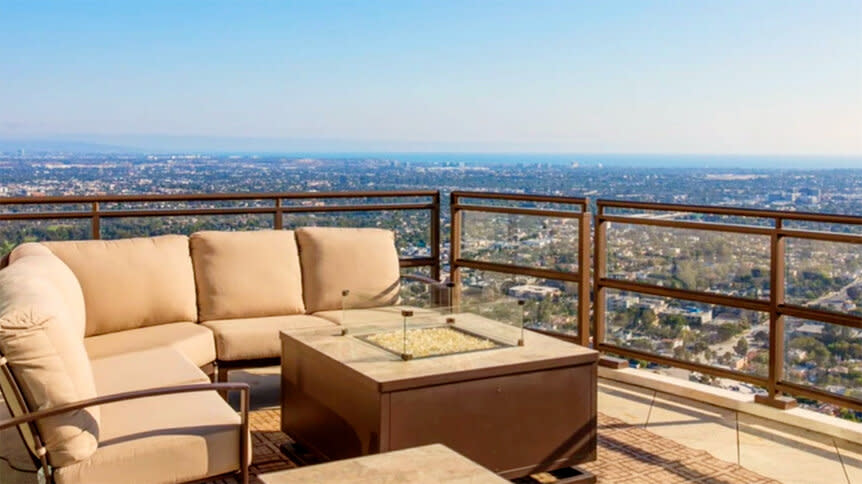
[{"x": 243, "y": 388}]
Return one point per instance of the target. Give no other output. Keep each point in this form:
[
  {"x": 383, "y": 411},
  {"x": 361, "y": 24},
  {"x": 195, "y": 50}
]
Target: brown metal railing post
[
  {"x": 435, "y": 236},
  {"x": 584, "y": 276},
  {"x": 95, "y": 222},
  {"x": 776, "y": 322},
  {"x": 599, "y": 270},
  {"x": 455, "y": 249},
  {"x": 278, "y": 220}
]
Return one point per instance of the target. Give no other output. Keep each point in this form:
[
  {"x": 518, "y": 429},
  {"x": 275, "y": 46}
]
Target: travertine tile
[
  {"x": 789, "y": 454},
  {"x": 628, "y": 403},
  {"x": 851, "y": 457},
  {"x": 432, "y": 463},
  {"x": 696, "y": 425}
]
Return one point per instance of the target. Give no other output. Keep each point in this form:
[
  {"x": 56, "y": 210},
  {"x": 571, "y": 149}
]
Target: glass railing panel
[
  {"x": 15, "y": 232},
  {"x": 523, "y": 240},
  {"x": 824, "y": 275},
  {"x": 825, "y": 356},
  {"x": 726, "y": 263},
  {"x": 412, "y": 227},
  {"x": 708, "y": 334},
  {"x": 124, "y": 227},
  {"x": 549, "y": 305}
]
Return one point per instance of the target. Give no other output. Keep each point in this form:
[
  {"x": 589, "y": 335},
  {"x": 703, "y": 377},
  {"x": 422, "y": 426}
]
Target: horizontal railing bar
[
  {"x": 816, "y": 394},
  {"x": 520, "y": 197},
  {"x": 518, "y": 211},
  {"x": 360, "y": 208},
  {"x": 515, "y": 269},
  {"x": 212, "y": 197},
  {"x": 822, "y": 236},
  {"x": 740, "y": 212},
  {"x": 167, "y": 212},
  {"x": 688, "y": 295},
  {"x": 185, "y": 212},
  {"x": 679, "y": 224},
  {"x": 686, "y": 365},
  {"x": 45, "y": 215},
  {"x": 416, "y": 262},
  {"x": 802, "y": 312}
]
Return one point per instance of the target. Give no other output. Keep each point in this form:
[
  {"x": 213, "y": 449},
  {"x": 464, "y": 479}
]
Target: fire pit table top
[{"x": 386, "y": 370}]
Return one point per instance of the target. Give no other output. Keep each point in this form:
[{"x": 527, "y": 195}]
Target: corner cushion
[
  {"x": 141, "y": 370},
  {"x": 132, "y": 283},
  {"x": 192, "y": 340}
]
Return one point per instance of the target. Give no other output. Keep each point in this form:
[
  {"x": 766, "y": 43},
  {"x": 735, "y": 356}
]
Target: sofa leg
[{"x": 221, "y": 374}]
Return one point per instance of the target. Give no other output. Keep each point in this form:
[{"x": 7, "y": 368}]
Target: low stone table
[
  {"x": 428, "y": 464},
  {"x": 514, "y": 410}
]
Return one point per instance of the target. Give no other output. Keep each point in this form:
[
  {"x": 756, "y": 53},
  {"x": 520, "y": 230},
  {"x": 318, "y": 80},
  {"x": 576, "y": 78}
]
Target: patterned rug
[{"x": 627, "y": 454}]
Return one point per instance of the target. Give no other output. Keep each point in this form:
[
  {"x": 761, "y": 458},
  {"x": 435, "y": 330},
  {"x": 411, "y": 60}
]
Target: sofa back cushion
[
  {"x": 362, "y": 261},
  {"x": 55, "y": 270},
  {"x": 47, "y": 358},
  {"x": 246, "y": 274},
  {"x": 131, "y": 283}
]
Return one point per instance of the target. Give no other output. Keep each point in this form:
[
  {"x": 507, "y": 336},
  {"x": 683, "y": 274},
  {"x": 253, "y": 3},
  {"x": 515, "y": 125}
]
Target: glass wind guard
[
  {"x": 465, "y": 329},
  {"x": 362, "y": 309}
]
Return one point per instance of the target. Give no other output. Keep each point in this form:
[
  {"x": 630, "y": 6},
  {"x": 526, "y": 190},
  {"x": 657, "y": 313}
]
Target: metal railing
[
  {"x": 96, "y": 209},
  {"x": 483, "y": 202},
  {"x": 776, "y": 306},
  {"x": 278, "y": 205}
]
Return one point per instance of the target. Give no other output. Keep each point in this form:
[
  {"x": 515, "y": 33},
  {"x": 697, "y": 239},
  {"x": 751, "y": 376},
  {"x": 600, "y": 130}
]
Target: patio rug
[{"x": 627, "y": 454}]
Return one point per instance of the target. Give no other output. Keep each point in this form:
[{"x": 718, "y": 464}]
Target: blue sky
[{"x": 749, "y": 77}]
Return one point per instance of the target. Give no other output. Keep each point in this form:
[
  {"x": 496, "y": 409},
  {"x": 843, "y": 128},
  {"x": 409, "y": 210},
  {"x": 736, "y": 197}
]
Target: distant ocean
[{"x": 613, "y": 160}]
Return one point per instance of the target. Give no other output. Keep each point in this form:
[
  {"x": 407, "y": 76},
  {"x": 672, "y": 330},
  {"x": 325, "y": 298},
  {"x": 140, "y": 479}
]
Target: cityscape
[{"x": 822, "y": 275}]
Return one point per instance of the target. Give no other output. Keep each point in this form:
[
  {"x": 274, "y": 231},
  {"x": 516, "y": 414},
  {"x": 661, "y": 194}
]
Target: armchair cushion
[
  {"x": 194, "y": 341},
  {"x": 335, "y": 259},
  {"x": 246, "y": 274},
  {"x": 131, "y": 283},
  {"x": 250, "y": 339},
  {"x": 172, "y": 438},
  {"x": 47, "y": 358}
]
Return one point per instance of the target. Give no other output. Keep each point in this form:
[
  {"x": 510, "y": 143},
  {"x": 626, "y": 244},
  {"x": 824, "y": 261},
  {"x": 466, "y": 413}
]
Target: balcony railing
[
  {"x": 539, "y": 247},
  {"x": 760, "y": 295},
  {"x": 184, "y": 213},
  {"x": 526, "y": 218}
]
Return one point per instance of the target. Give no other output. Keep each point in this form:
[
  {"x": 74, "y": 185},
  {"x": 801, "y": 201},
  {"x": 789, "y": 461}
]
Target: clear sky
[{"x": 570, "y": 76}]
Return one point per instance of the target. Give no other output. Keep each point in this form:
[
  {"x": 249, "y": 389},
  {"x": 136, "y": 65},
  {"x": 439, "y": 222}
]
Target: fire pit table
[{"x": 515, "y": 401}]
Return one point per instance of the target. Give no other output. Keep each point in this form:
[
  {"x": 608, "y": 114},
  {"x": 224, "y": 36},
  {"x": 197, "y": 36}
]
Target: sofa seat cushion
[
  {"x": 141, "y": 370},
  {"x": 192, "y": 340},
  {"x": 246, "y": 274},
  {"x": 47, "y": 357},
  {"x": 384, "y": 314},
  {"x": 336, "y": 259},
  {"x": 131, "y": 283},
  {"x": 255, "y": 338},
  {"x": 165, "y": 439}
]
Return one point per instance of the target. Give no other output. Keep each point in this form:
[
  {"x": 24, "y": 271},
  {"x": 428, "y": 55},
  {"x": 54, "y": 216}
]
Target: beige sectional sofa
[{"x": 87, "y": 320}]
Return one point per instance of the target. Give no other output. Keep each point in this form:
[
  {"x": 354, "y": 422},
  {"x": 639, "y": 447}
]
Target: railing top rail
[
  {"x": 521, "y": 197},
  {"x": 733, "y": 211},
  {"x": 70, "y": 199}
]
